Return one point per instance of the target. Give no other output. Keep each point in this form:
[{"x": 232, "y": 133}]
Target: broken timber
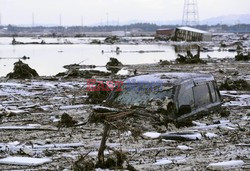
[
  {"x": 77, "y": 67},
  {"x": 106, "y": 118},
  {"x": 109, "y": 116}
]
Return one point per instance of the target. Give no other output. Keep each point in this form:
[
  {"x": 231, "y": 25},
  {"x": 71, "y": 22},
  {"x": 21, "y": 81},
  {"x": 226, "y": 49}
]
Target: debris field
[{"x": 45, "y": 125}]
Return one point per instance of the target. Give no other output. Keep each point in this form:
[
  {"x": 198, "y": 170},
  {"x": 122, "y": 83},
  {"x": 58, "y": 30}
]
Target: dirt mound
[
  {"x": 83, "y": 74},
  {"x": 66, "y": 121},
  {"x": 22, "y": 71},
  {"x": 96, "y": 96},
  {"x": 114, "y": 65}
]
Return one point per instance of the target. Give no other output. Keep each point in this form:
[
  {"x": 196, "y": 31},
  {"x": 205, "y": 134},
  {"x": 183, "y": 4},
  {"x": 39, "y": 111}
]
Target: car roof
[{"x": 173, "y": 78}]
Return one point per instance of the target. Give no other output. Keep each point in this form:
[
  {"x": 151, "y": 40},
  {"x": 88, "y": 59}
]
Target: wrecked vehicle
[{"x": 178, "y": 96}]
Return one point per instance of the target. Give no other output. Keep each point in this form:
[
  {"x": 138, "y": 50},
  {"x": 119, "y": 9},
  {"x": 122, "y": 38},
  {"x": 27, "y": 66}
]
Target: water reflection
[
  {"x": 50, "y": 59},
  {"x": 185, "y": 48}
]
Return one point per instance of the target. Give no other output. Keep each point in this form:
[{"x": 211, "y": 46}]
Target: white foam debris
[
  {"x": 18, "y": 127},
  {"x": 54, "y": 119},
  {"x": 242, "y": 100},
  {"x": 71, "y": 107},
  {"x": 224, "y": 121},
  {"x": 16, "y": 147},
  {"x": 16, "y": 112},
  {"x": 227, "y": 127},
  {"x": 14, "y": 143},
  {"x": 226, "y": 124},
  {"x": 246, "y": 118},
  {"x": 194, "y": 136},
  {"x": 47, "y": 107},
  {"x": 8, "y": 84},
  {"x": 126, "y": 134},
  {"x": 25, "y": 161},
  {"x": 178, "y": 159},
  {"x": 99, "y": 169},
  {"x": 152, "y": 135},
  {"x": 123, "y": 71},
  {"x": 140, "y": 150},
  {"x": 97, "y": 107},
  {"x": 48, "y": 146},
  {"x": 163, "y": 162},
  {"x": 198, "y": 123},
  {"x": 211, "y": 135},
  {"x": 170, "y": 160},
  {"x": 34, "y": 125},
  {"x": 184, "y": 147},
  {"x": 44, "y": 84},
  {"x": 182, "y": 136},
  {"x": 168, "y": 141},
  {"x": 233, "y": 164},
  {"x": 228, "y": 92}
]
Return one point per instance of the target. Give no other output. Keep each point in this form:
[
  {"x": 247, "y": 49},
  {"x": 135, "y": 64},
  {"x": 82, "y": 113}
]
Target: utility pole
[
  {"x": 238, "y": 23},
  {"x": 60, "y": 20},
  {"x": 107, "y": 18},
  {"x": 0, "y": 19},
  {"x": 118, "y": 23},
  {"x": 102, "y": 25},
  {"x": 82, "y": 21},
  {"x": 190, "y": 13},
  {"x": 107, "y": 22},
  {"x": 33, "y": 19}
]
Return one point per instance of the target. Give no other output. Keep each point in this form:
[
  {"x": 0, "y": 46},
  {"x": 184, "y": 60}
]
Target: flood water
[{"x": 49, "y": 59}]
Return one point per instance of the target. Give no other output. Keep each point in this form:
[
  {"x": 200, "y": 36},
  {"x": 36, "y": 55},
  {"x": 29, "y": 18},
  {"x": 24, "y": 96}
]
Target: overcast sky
[{"x": 97, "y": 11}]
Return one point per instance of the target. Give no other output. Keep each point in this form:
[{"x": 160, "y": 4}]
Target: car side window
[
  {"x": 213, "y": 92},
  {"x": 186, "y": 96},
  {"x": 201, "y": 95}
]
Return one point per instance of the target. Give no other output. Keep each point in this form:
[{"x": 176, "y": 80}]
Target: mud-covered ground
[{"x": 30, "y": 113}]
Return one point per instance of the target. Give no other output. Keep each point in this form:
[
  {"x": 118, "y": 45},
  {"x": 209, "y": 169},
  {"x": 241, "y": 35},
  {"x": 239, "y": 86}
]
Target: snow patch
[
  {"x": 233, "y": 164},
  {"x": 152, "y": 135},
  {"x": 24, "y": 161},
  {"x": 163, "y": 162},
  {"x": 184, "y": 147},
  {"x": 211, "y": 135},
  {"x": 71, "y": 107}
]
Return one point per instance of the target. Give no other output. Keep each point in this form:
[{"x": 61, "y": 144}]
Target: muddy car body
[{"x": 178, "y": 96}]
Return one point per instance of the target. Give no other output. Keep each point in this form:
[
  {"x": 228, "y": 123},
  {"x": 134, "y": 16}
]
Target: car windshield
[{"x": 141, "y": 94}]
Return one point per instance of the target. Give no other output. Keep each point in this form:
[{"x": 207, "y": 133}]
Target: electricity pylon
[{"x": 190, "y": 13}]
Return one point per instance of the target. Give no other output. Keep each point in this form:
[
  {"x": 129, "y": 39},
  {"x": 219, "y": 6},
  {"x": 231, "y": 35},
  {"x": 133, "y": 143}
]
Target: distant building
[
  {"x": 191, "y": 34},
  {"x": 119, "y": 33},
  {"x": 3, "y": 30},
  {"x": 165, "y": 33}
]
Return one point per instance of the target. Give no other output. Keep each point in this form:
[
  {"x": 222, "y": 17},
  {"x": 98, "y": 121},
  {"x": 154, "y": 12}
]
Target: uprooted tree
[
  {"x": 189, "y": 58},
  {"x": 242, "y": 57}
]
